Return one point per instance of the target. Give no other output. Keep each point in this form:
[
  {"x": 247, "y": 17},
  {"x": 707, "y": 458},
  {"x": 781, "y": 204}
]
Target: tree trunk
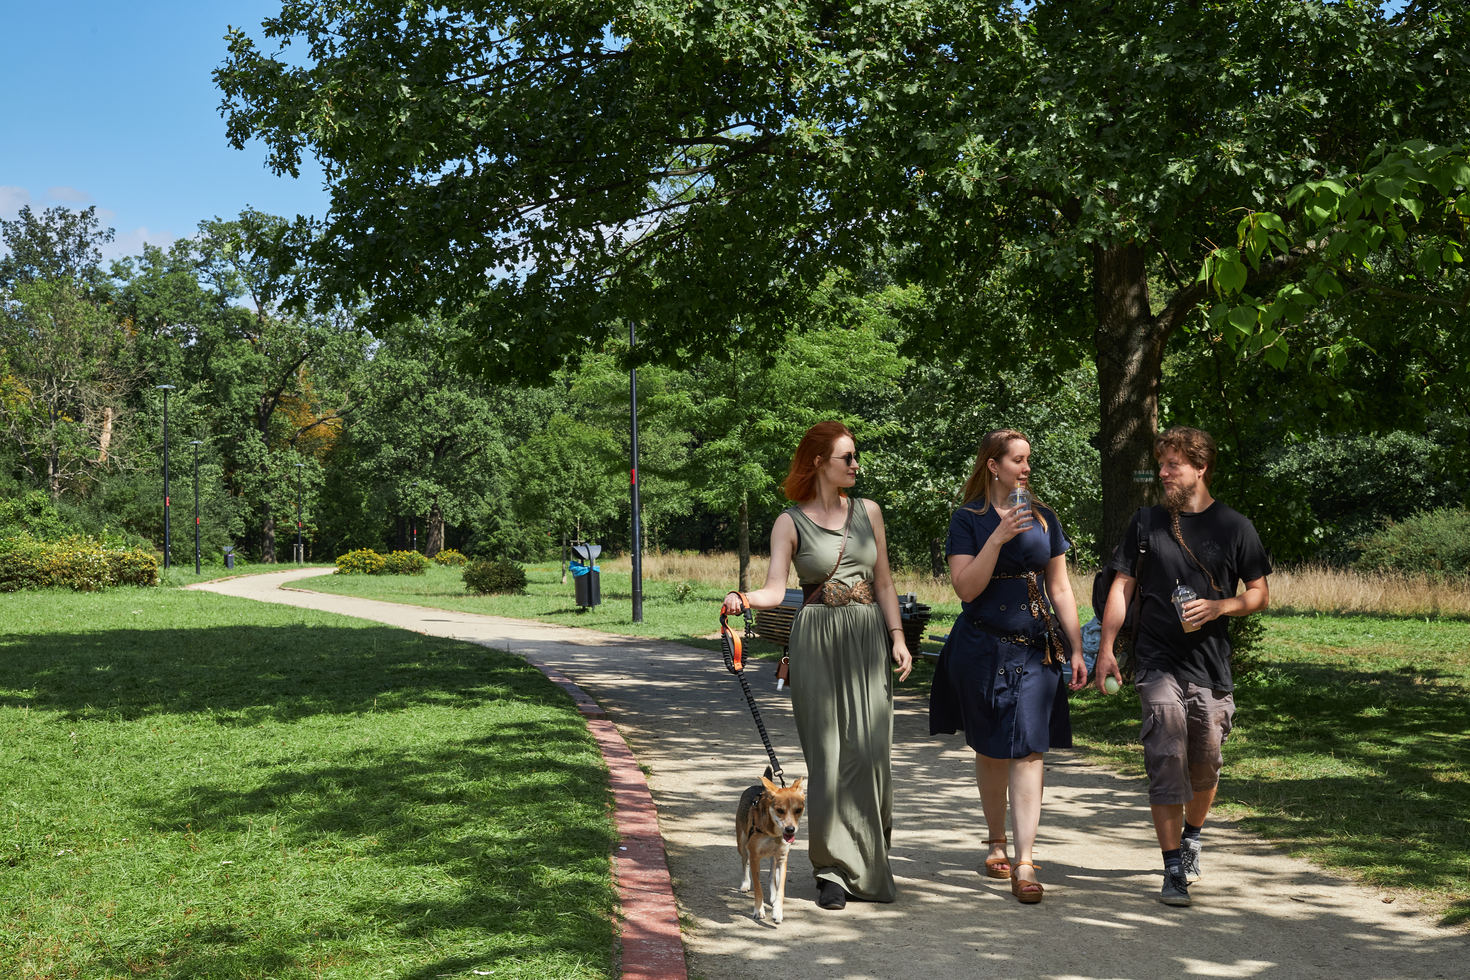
[
  {"x": 53, "y": 458},
  {"x": 744, "y": 542},
  {"x": 104, "y": 439},
  {"x": 1130, "y": 354},
  {"x": 268, "y": 541},
  {"x": 435, "y": 542}
]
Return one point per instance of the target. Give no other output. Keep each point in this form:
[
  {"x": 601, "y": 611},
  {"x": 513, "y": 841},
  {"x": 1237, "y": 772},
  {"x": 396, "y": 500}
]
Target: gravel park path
[{"x": 1256, "y": 912}]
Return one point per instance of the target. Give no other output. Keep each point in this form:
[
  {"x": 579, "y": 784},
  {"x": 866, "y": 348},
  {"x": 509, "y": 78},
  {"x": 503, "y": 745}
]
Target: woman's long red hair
[{"x": 800, "y": 484}]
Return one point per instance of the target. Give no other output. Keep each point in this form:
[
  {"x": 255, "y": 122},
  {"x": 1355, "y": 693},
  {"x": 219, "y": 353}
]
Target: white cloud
[
  {"x": 131, "y": 242},
  {"x": 125, "y": 242},
  {"x": 68, "y": 195},
  {"x": 12, "y": 199}
]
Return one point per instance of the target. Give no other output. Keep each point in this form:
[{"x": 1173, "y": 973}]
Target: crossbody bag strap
[
  {"x": 841, "y": 549},
  {"x": 1197, "y": 563}
]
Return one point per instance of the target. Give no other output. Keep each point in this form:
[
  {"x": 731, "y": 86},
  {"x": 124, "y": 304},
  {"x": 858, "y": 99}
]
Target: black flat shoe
[{"x": 831, "y": 896}]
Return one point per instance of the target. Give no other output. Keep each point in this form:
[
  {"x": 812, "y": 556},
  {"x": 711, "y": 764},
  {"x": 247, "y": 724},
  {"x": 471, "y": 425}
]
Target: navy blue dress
[{"x": 1009, "y": 702}]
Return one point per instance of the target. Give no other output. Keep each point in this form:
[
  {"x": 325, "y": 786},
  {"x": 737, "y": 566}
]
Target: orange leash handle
[{"x": 729, "y": 641}]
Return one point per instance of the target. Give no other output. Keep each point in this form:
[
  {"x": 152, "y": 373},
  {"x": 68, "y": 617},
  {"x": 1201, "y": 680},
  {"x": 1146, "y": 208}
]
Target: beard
[{"x": 1178, "y": 496}]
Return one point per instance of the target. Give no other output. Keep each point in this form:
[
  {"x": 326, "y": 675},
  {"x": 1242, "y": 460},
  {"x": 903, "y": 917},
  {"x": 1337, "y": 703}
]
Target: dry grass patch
[
  {"x": 1315, "y": 588},
  {"x": 722, "y": 569},
  {"x": 1305, "y": 589}
]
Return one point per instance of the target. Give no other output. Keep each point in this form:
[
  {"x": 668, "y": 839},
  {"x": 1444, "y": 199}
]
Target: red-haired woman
[
  {"x": 1004, "y": 673},
  {"x": 842, "y": 641}
]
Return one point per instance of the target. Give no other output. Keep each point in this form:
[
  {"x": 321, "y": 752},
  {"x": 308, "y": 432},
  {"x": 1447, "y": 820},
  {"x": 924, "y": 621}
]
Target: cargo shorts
[{"x": 1184, "y": 726}]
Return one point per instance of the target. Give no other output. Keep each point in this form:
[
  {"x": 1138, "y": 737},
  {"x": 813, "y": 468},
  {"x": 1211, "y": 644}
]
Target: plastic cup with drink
[
  {"x": 1184, "y": 594},
  {"x": 1019, "y": 500}
]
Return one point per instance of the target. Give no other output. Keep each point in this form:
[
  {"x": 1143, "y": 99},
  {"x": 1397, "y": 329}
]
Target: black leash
[{"x": 731, "y": 645}]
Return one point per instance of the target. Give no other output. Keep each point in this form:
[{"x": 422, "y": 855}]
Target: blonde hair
[{"x": 977, "y": 487}]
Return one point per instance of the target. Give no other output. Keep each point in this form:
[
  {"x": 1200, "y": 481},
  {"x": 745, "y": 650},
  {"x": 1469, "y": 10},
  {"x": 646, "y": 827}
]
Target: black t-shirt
[{"x": 1227, "y": 544}]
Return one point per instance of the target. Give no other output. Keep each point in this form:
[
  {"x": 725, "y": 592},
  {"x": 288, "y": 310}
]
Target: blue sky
[{"x": 112, "y": 104}]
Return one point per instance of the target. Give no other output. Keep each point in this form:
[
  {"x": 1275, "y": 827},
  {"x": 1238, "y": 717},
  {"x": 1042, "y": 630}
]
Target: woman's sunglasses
[{"x": 848, "y": 459}]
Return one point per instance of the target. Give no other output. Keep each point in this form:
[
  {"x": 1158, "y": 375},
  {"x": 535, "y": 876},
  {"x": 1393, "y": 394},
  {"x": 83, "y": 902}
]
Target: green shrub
[
  {"x": 71, "y": 563},
  {"x": 132, "y": 566},
  {"x": 450, "y": 557},
  {"x": 32, "y": 514},
  {"x": 363, "y": 561},
  {"x": 1246, "y": 633},
  {"x": 1326, "y": 494},
  {"x": 405, "y": 563},
  {"x": 486, "y": 576},
  {"x": 1434, "y": 543}
]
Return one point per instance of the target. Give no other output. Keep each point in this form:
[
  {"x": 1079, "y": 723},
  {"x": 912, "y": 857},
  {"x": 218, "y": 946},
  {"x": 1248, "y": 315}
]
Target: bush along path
[{"x": 1257, "y": 912}]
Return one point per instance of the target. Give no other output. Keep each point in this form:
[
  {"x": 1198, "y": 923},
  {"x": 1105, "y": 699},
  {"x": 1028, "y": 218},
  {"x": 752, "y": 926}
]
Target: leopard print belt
[
  {"x": 831, "y": 593},
  {"x": 1052, "y": 641}
]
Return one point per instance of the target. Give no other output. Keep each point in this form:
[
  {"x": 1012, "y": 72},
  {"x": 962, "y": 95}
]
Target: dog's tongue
[{"x": 789, "y": 835}]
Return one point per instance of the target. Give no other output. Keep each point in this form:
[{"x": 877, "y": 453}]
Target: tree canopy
[
  {"x": 1397, "y": 231},
  {"x": 543, "y": 170}
]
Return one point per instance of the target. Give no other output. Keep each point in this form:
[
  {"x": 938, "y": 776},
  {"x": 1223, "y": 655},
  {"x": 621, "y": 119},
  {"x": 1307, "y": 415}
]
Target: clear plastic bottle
[{"x": 1183, "y": 594}]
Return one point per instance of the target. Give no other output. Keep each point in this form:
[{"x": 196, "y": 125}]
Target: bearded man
[{"x": 1182, "y": 649}]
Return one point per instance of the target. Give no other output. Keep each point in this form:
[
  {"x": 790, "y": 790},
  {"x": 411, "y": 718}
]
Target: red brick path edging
[{"x": 652, "y": 948}]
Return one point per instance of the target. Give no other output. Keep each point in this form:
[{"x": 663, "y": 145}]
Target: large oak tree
[{"x": 542, "y": 169}]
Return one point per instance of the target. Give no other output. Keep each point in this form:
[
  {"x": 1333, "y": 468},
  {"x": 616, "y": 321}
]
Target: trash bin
[
  {"x": 229, "y": 557},
  {"x": 587, "y": 576}
]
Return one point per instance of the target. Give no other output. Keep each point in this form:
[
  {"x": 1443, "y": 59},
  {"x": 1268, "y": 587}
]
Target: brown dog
[{"x": 765, "y": 826}]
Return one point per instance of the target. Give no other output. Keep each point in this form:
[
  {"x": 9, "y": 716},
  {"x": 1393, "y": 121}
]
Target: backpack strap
[{"x": 1144, "y": 533}]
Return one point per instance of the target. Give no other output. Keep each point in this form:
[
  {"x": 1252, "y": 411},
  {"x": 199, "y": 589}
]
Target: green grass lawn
[{"x": 199, "y": 787}]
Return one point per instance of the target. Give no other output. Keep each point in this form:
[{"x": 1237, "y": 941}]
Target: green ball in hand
[{"x": 1110, "y": 684}]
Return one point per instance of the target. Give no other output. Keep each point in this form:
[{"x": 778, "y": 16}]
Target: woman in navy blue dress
[{"x": 1004, "y": 673}]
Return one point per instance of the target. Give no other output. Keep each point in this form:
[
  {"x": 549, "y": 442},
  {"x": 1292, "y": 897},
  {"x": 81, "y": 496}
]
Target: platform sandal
[
  {"x": 997, "y": 867},
  {"x": 1026, "y": 892}
]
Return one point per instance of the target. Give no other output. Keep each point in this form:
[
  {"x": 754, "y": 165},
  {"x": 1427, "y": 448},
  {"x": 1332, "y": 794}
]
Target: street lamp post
[
  {"x": 633, "y": 483},
  {"x": 167, "y": 536},
  {"x": 195, "y": 444},
  {"x": 413, "y": 521},
  {"x": 300, "y": 549}
]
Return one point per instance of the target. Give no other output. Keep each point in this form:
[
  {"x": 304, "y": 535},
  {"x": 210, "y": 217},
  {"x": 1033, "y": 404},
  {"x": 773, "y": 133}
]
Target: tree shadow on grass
[
  {"x": 1372, "y": 764},
  {"x": 493, "y": 835},
  {"x": 507, "y": 849},
  {"x": 248, "y": 674}
]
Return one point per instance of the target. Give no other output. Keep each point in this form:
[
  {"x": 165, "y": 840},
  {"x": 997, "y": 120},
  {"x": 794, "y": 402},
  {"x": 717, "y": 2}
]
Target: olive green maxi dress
[{"x": 842, "y": 697}]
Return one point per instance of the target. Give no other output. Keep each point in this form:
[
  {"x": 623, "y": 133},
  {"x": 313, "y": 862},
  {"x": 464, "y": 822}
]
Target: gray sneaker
[
  {"x": 1176, "y": 889},
  {"x": 1189, "y": 858}
]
